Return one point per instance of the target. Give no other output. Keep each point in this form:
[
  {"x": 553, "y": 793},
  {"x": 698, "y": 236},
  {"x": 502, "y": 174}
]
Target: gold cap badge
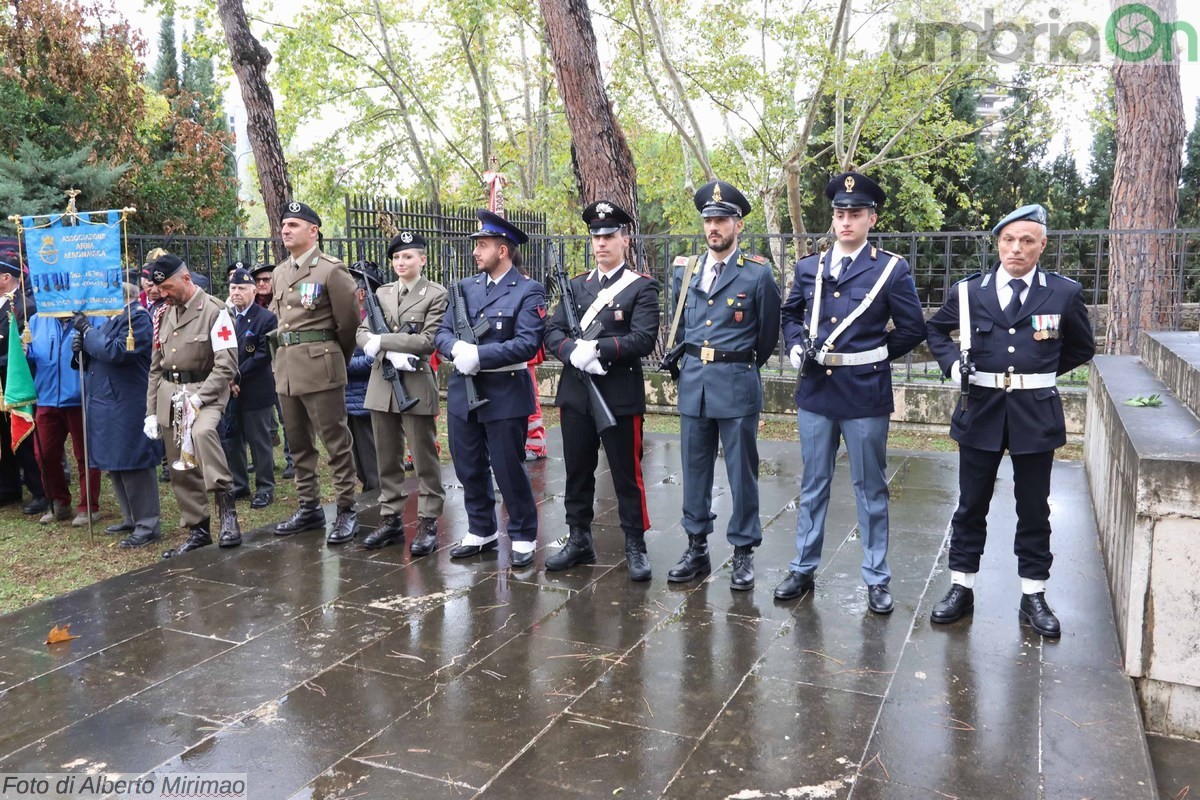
[
  {"x": 849, "y": 183},
  {"x": 716, "y": 195}
]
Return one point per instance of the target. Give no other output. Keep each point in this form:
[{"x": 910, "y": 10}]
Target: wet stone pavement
[{"x": 344, "y": 673}]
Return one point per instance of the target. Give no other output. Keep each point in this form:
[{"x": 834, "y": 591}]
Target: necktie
[
  {"x": 717, "y": 267},
  {"x": 488, "y": 290},
  {"x": 837, "y": 270},
  {"x": 603, "y": 282},
  {"x": 1014, "y": 303}
]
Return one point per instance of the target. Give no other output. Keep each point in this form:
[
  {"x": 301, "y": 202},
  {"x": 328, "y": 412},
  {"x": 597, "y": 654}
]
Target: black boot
[
  {"x": 198, "y": 537},
  {"x": 308, "y": 517},
  {"x": 958, "y": 602},
  {"x": 742, "y": 579},
  {"x": 578, "y": 550},
  {"x": 390, "y": 532},
  {"x": 426, "y": 539},
  {"x": 231, "y": 532},
  {"x": 635, "y": 557},
  {"x": 694, "y": 563},
  {"x": 1035, "y": 612},
  {"x": 345, "y": 527}
]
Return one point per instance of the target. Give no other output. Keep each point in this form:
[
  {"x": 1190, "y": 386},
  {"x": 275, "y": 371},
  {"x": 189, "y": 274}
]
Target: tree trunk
[
  {"x": 1142, "y": 274},
  {"x": 603, "y": 164},
  {"x": 250, "y": 60}
]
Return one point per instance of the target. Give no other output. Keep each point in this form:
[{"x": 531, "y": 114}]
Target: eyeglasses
[{"x": 262, "y": 280}]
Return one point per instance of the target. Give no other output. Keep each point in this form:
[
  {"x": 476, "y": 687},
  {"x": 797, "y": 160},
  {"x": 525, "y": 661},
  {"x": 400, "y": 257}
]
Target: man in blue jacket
[
  {"x": 492, "y": 436},
  {"x": 730, "y": 326},
  {"x": 1027, "y": 326},
  {"x": 835, "y": 329},
  {"x": 249, "y": 414}
]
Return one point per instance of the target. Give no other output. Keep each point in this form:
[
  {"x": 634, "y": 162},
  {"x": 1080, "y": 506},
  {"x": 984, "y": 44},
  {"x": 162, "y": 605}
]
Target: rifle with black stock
[
  {"x": 378, "y": 326},
  {"x": 601, "y": 414},
  {"x": 470, "y": 335}
]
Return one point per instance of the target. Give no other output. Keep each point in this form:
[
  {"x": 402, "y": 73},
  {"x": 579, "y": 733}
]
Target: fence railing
[{"x": 937, "y": 259}]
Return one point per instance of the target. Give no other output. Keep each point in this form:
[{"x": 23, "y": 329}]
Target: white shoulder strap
[
  {"x": 606, "y": 296},
  {"x": 964, "y": 318},
  {"x": 863, "y": 306}
]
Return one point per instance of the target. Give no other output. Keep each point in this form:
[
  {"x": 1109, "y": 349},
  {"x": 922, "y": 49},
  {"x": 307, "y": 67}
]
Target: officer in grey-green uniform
[
  {"x": 194, "y": 362},
  {"x": 313, "y": 297}
]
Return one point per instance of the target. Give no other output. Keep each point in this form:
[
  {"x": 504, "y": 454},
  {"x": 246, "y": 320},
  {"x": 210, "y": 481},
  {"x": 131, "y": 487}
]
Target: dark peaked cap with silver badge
[
  {"x": 297, "y": 210},
  {"x": 720, "y": 199},
  {"x": 604, "y": 217}
]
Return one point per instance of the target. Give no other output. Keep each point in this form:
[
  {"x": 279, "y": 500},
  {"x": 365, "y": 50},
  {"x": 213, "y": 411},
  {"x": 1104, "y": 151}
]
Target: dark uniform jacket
[
  {"x": 740, "y": 314},
  {"x": 629, "y": 331},
  {"x": 863, "y": 390},
  {"x": 25, "y": 308},
  {"x": 1033, "y": 417},
  {"x": 515, "y": 311},
  {"x": 255, "y": 381}
]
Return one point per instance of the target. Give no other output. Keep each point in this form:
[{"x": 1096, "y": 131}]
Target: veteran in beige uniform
[
  {"x": 413, "y": 309},
  {"x": 194, "y": 362},
  {"x": 313, "y": 297}
]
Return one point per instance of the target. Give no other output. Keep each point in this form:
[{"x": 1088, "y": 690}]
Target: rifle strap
[
  {"x": 683, "y": 290},
  {"x": 605, "y": 297}
]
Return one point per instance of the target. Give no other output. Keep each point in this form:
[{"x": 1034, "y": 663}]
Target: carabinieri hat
[
  {"x": 297, "y": 210},
  {"x": 164, "y": 266},
  {"x": 604, "y": 217},
  {"x": 1032, "y": 212},
  {"x": 720, "y": 199},
  {"x": 406, "y": 240},
  {"x": 492, "y": 225},
  {"x": 854, "y": 190}
]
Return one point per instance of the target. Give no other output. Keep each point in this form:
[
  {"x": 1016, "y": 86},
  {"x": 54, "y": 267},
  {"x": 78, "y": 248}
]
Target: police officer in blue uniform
[
  {"x": 1026, "y": 326},
  {"x": 625, "y": 305},
  {"x": 492, "y": 437},
  {"x": 729, "y": 327},
  {"x": 835, "y": 330}
]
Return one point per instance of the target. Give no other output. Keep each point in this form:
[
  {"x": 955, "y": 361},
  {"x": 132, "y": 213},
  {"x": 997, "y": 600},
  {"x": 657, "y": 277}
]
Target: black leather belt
[
  {"x": 185, "y": 377},
  {"x": 711, "y": 354},
  {"x": 301, "y": 337}
]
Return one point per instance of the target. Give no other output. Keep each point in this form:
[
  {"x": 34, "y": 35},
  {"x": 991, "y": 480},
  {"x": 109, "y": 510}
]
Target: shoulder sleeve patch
[
  {"x": 757, "y": 259},
  {"x": 680, "y": 261}
]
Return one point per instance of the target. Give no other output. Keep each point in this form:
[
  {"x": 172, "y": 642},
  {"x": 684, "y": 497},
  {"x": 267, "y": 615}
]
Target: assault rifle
[
  {"x": 601, "y": 414},
  {"x": 378, "y": 326},
  {"x": 470, "y": 335}
]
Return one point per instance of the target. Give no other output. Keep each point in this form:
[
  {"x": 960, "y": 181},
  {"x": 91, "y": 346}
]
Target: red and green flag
[{"x": 19, "y": 392}]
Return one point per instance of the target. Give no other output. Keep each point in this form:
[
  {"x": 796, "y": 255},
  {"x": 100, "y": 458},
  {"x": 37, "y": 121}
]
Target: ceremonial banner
[
  {"x": 19, "y": 392},
  {"x": 75, "y": 267}
]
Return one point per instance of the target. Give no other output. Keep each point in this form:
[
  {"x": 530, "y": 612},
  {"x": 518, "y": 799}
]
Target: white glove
[
  {"x": 467, "y": 359},
  {"x": 405, "y": 362},
  {"x": 457, "y": 349},
  {"x": 195, "y": 400},
  {"x": 585, "y": 352},
  {"x": 797, "y": 356},
  {"x": 374, "y": 342},
  {"x": 595, "y": 368},
  {"x": 150, "y": 427}
]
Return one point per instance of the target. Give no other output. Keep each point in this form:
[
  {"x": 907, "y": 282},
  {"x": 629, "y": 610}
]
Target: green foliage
[
  {"x": 34, "y": 181},
  {"x": 166, "y": 69},
  {"x": 1189, "y": 190},
  {"x": 1139, "y": 401}
]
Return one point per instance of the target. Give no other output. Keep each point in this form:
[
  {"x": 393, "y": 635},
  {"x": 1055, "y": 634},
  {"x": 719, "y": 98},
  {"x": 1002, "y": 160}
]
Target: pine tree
[
  {"x": 166, "y": 69},
  {"x": 33, "y": 182},
  {"x": 1189, "y": 189},
  {"x": 1103, "y": 160}
]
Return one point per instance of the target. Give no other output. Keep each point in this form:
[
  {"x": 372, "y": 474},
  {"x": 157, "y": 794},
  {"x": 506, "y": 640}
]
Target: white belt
[
  {"x": 1009, "y": 381},
  {"x": 508, "y": 368},
  {"x": 853, "y": 359}
]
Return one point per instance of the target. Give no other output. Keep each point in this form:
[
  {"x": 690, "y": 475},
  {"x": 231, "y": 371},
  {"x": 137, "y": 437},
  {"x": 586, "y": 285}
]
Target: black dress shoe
[
  {"x": 289, "y": 472},
  {"x": 37, "y": 505},
  {"x": 345, "y": 527},
  {"x": 635, "y": 557},
  {"x": 197, "y": 538},
  {"x": 467, "y": 550},
  {"x": 578, "y": 550},
  {"x": 694, "y": 563},
  {"x": 879, "y": 598},
  {"x": 794, "y": 585},
  {"x": 957, "y": 603},
  {"x": 139, "y": 540},
  {"x": 1036, "y": 613},
  {"x": 390, "y": 532},
  {"x": 426, "y": 538},
  {"x": 742, "y": 579},
  {"x": 306, "y": 518},
  {"x": 262, "y": 498},
  {"x": 240, "y": 494},
  {"x": 520, "y": 560},
  {"x": 120, "y": 527}
]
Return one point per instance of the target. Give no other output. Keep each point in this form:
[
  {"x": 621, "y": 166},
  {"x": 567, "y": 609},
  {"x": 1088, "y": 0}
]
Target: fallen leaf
[{"x": 62, "y": 634}]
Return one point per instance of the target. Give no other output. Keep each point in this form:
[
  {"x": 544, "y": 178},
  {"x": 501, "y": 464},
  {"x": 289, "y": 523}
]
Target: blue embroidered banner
[{"x": 75, "y": 267}]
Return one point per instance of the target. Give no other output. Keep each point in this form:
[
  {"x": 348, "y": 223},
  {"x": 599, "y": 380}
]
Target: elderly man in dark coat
[{"x": 115, "y": 386}]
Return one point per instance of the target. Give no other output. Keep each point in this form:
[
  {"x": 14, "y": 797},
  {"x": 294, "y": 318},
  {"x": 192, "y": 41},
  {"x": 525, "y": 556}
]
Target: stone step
[{"x": 1174, "y": 357}]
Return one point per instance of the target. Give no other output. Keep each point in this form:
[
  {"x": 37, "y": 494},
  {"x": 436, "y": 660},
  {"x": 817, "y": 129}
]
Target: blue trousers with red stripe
[{"x": 581, "y": 452}]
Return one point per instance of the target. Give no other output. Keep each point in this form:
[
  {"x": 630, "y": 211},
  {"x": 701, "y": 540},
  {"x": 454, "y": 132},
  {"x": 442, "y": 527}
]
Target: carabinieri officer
[
  {"x": 492, "y": 436},
  {"x": 1027, "y": 326},
  {"x": 835, "y": 326}
]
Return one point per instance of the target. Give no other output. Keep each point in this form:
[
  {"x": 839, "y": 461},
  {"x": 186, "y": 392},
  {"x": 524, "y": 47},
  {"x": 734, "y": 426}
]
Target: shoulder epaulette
[
  {"x": 757, "y": 259},
  {"x": 970, "y": 277},
  {"x": 1060, "y": 275}
]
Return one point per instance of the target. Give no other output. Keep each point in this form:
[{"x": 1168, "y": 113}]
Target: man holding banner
[{"x": 190, "y": 375}]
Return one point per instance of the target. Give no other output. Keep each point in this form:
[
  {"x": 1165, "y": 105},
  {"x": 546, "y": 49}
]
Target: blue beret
[
  {"x": 1031, "y": 212},
  {"x": 854, "y": 190},
  {"x": 720, "y": 199},
  {"x": 298, "y": 210},
  {"x": 492, "y": 225}
]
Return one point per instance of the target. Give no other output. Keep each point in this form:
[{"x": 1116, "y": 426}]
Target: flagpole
[{"x": 87, "y": 469}]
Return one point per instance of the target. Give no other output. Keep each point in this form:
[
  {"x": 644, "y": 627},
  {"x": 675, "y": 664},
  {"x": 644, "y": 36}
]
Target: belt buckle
[
  {"x": 708, "y": 355},
  {"x": 1008, "y": 387},
  {"x": 833, "y": 359}
]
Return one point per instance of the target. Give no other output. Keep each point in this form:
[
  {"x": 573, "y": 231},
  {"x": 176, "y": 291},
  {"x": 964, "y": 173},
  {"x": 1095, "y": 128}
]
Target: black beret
[
  {"x": 854, "y": 190},
  {"x": 238, "y": 265},
  {"x": 720, "y": 199},
  {"x": 604, "y": 217},
  {"x": 297, "y": 210},
  {"x": 163, "y": 267},
  {"x": 240, "y": 277},
  {"x": 406, "y": 240}
]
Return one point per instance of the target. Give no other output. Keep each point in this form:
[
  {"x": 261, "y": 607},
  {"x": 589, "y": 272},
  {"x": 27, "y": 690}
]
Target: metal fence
[{"x": 937, "y": 259}]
